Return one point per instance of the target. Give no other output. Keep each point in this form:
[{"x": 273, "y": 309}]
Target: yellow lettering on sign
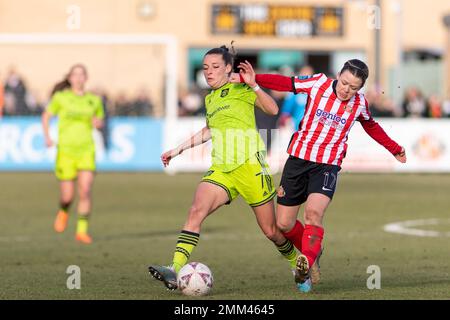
[{"x": 259, "y": 28}]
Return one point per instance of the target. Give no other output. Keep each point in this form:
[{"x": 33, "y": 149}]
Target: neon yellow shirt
[
  {"x": 75, "y": 114},
  {"x": 230, "y": 115}
]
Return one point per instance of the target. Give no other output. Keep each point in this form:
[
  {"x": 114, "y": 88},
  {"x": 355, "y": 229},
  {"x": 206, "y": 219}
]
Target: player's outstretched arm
[
  {"x": 271, "y": 81},
  {"x": 200, "y": 137},
  {"x": 263, "y": 101},
  {"x": 376, "y": 132}
]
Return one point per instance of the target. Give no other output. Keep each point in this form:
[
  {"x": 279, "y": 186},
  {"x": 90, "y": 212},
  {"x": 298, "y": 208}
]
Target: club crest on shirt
[
  {"x": 224, "y": 93},
  {"x": 348, "y": 109},
  {"x": 281, "y": 193}
]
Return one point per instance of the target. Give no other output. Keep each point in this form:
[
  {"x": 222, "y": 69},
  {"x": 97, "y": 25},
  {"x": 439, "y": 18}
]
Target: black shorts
[{"x": 301, "y": 178}]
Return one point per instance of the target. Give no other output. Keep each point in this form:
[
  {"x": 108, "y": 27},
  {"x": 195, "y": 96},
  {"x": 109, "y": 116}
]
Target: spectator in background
[
  {"x": 15, "y": 93},
  {"x": 293, "y": 108},
  {"x": 122, "y": 105},
  {"x": 446, "y": 107},
  {"x": 2, "y": 101},
  {"x": 34, "y": 107},
  {"x": 379, "y": 105},
  {"x": 414, "y": 104},
  {"x": 434, "y": 107},
  {"x": 143, "y": 105},
  {"x": 191, "y": 103}
]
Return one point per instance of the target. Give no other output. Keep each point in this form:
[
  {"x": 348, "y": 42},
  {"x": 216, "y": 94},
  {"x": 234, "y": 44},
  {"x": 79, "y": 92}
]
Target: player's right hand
[
  {"x": 49, "y": 142},
  {"x": 169, "y": 155}
]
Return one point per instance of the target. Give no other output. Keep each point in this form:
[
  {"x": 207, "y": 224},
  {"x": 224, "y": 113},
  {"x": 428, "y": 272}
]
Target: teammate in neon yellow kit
[
  {"x": 78, "y": 112},
  {"x": 237, "y": 167}
]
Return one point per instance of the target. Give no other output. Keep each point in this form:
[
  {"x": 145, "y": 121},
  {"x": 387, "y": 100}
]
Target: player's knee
[
  {"x": 84, "y": 193},
  {"x": 285, "y": 225},
  {"x": 271, "y": 233},
  {"x": 196, "y": 213},
  {"x": 313, "y": 216},
  {"x": 65, "y": 203}
]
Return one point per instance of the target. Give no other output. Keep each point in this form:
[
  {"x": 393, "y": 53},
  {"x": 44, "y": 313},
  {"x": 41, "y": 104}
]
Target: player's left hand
[
  {"x": 401, "y": 157},
  {"x": 247, "y": 73}
]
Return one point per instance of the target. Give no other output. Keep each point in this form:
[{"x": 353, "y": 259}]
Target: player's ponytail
[
  {"x": 357, "y": 68},
  {"x": 228, "y": 54}
]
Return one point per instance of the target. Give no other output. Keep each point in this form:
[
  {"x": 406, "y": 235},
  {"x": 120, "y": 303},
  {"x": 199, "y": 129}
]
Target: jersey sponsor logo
[
  {"x": 331, "y": 116},
  {"x": 331, "y": 119},
  {"x": 304, "y": 77},
  {"x": 212, "y": 114},
  {"x": 224, "y": 92}
]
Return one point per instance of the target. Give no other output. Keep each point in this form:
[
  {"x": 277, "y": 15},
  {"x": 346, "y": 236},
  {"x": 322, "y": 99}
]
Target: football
[{"x": 195, "y": 279}]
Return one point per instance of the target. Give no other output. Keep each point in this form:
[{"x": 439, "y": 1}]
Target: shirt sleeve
[
  {"x": 249, "y": 95},
  {"x": 54, "y": 105},
  {"x": 304, "y": 84},
  {"x": 99, "y": 112},
  {"x": 365, "y": 114},
  {"x": 376, "y": 132}
]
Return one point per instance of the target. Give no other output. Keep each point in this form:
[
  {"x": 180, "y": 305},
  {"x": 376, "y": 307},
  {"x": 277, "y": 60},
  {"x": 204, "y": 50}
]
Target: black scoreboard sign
[{"x": 277, "y": 20}]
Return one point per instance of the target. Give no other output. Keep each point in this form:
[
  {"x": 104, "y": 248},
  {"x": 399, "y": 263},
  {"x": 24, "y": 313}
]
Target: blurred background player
[
  {"x": 78, "y": 113},
  {"x": 293, "y": 107},
  {"x": 237, "y": 170},
  {"x": 316, "y": 152}
]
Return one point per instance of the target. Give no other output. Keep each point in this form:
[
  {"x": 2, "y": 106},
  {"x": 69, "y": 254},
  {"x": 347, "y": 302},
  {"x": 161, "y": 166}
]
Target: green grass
[{"x": 137, "y": 217}]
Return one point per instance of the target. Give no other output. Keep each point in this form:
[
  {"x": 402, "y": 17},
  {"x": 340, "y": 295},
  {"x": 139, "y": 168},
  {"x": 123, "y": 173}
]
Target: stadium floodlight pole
[
  {"x": 447, "y": 57},
  {"x": 397, "y": 7},
  {"x": 377, "y": 46},
  {"x": 170, "y": 41}
]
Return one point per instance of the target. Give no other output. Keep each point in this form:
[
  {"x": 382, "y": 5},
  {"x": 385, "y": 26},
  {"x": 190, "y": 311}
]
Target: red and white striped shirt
[{"x": 323, "y": 132}]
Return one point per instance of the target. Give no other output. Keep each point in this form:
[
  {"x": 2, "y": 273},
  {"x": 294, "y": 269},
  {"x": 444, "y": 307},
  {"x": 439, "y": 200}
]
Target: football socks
[
  {"x": 83, "y": 223},
  {"x": 296, "y": 235},
  {"x": 288, "y": 251},
  {"x": 312, "y": 242},
  {"x": 186, "y": 243}
]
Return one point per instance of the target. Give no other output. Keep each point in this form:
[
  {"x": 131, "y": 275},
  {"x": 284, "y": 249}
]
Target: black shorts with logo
[{"x": 302, "y": 177}]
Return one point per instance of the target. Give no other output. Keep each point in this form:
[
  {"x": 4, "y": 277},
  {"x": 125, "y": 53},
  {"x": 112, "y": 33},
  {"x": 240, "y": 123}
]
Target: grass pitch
[{"x": 137, "y": 217}]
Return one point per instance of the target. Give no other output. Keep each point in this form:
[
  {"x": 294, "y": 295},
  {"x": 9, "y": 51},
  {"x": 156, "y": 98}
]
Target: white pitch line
[{"x": 404, "y": 227}]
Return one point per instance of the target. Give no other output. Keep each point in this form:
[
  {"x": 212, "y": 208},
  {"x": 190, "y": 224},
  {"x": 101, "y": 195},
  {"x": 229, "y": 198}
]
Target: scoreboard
[{"x": 277, "y": 20}]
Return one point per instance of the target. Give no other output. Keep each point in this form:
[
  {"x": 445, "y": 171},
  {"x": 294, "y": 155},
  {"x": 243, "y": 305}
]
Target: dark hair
[
  {"x": 227, "y": 56},
  {"x": 65, "y": 83},
  {"x": 357, "y": 68}
]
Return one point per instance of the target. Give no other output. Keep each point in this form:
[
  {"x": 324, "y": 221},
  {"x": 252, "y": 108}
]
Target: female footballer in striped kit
[
  {"x": 316, "y": 152},
  {"x": 237, "y": 168}
]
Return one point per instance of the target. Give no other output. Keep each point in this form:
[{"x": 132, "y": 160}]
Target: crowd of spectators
[
  {"x": 413, "y": 104},
  {"x": 17, "y": 99}
]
